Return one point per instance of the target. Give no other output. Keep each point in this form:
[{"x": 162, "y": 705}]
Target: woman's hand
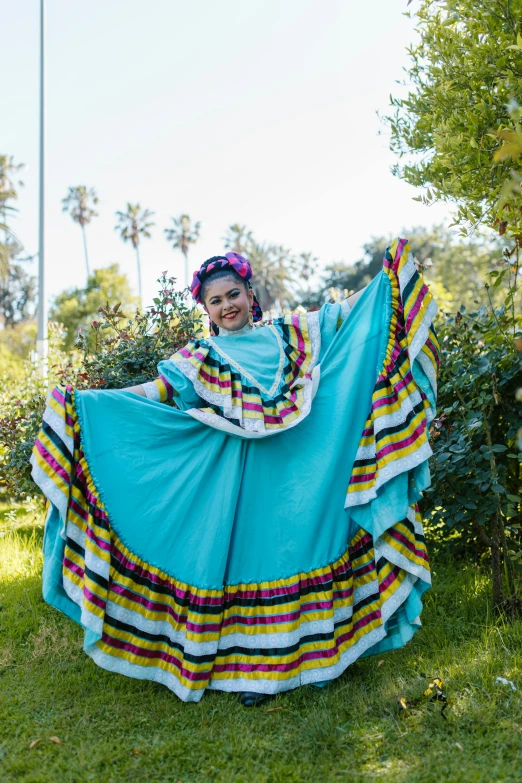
[
  {"x": 354, "y": 297},
  {"x": 135, "y": 390}
]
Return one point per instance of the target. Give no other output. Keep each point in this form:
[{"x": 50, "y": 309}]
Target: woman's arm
[
  {"x": 136, "y": 390},
  {"x": 354, "y": 297},
  {"x": 159, "y": 389}
]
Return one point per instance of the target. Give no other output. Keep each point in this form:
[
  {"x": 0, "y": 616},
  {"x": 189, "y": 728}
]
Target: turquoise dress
[{"x": 265, "y": 534}]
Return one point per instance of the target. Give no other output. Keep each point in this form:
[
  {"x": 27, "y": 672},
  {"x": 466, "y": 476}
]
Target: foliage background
[{"x": 455, "y": 128}]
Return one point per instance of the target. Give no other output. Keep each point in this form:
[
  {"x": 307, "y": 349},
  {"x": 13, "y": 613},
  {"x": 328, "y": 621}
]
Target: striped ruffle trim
[
  {"x": 232, "y": 394},
  {"x": 266, "y": 637},
  {"x": 159, "y": 390},
  {"x": 395, "y": 436}
]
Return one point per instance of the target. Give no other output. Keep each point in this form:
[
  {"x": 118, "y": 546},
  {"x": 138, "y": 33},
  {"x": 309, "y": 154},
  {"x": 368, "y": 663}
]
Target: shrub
[
  {"x": 118, "y": 352},
  {"x": 476, "y": 473}
]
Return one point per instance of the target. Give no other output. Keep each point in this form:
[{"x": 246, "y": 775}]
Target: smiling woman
[
  {"x": 228, "y": 300},
  {"x": 265, "y": 534}
]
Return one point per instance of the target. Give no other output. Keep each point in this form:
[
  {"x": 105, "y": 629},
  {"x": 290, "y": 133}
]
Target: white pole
[{"x": 41, "y": 339}]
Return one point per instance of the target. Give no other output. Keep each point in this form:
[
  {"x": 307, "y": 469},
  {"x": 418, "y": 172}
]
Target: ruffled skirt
[{"x": 198, "y": 559}]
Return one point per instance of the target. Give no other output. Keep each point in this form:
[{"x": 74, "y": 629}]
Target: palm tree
[
  {"x": 78, "y": 203},
  {"x": 277, "y": 272},
  {"x": 9, "y": 181},
  {"x": 182, "y": 236},
  {"x": 133, "y": 225},
  {"x": 237, "y": 238},
  {"x": 274, "y": 270}
]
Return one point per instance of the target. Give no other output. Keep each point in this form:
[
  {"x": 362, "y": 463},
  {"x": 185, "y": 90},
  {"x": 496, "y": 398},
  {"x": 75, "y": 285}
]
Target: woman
[{"x": 266, "y": 533}]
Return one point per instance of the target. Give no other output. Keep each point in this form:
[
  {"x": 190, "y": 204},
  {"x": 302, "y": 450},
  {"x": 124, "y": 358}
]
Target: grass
[{"x": 114, "y": 729}]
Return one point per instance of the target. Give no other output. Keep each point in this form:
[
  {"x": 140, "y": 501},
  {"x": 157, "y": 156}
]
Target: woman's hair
[{"x": 219, "y": 273}]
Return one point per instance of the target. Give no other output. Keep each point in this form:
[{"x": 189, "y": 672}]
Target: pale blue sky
[{"x": 261, "y": 112}]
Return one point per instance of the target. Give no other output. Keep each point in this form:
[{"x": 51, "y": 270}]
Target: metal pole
[{"x": 41, "y": 339}]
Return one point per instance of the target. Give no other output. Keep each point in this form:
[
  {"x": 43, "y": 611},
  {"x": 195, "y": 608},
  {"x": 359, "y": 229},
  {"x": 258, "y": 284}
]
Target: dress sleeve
[
  {"x": 171, "y": 378},
  {"x": 331, "y": 318},
  {"x": 159, "y": 389}
]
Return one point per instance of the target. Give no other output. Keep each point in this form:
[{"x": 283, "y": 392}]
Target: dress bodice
[
  {"x": 253, "y": 384},
  {"x": 256, "y": 381}
]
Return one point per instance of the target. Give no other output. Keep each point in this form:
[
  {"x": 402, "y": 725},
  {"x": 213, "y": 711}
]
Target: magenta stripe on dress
[
  {"x": 76, "y": 569},
  {"x": 362, "y": 478},
  {"x": 392, "y": 576},
  {"x": 416, "y": 434},
  {"x": 215, "y": 381},
  {"x": 300, "y": 340},
  {"x": 58, "y": 396},
  {"x": 413, "y": 312},
  {"x": 276, "y": 619},
  {"x": 142, "y": 652},
  {"x": 252, "y": 406},
  {"x": 78, "y": 510},
  {"x": 208, "y": 600},
  {"x": 52, "y": 462},
  {"x": 158, "y": 606},
  {"x": 100, "y": 542},
  {"x": 394, "y": 533},
  {"x": 94, "y": 599}
]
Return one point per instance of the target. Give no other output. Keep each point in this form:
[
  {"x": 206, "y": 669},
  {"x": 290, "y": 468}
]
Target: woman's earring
[
  {"x": 211, "y": 328},
  {"x": 250, "y": 318}
]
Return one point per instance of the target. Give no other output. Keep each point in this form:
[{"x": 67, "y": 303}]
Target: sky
[{"x": 258, "y": 112}]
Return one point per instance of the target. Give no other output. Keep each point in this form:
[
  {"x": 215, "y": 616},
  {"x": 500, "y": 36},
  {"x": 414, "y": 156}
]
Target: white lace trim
[
  {"x": 246, "y": 329},
  {"x": 95, "y": 563},
  {"x": 57, "y": 424},
  {"x": 406, "y": 273},
  {"x": 54, "y": 494},
  {"x": 389, "y": 471},
  {"x": 58, "y": 497},
  {"x": 345, "y": 308},
  {"x": 269, "y": 392},
  {"x": 151, "y": 391},
  {"x": 256, "y": 428},
  {"x": 163, "y": 627},
  {"x": 422, "y": 333},
  {"x": 314, "y": 335},
  {"x": 223, "y": 400},
  {"x": 382, "y": 549},
  {"x": 281, "y": 640},
  {"x": 143, "y": 673}
]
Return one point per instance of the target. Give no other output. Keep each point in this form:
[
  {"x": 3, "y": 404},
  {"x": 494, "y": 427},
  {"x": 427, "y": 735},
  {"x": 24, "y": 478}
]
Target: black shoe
[{"x": 250, "y": 699}]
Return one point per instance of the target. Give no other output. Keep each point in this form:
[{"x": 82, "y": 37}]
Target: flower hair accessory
[{"x": 228, "y": 261}]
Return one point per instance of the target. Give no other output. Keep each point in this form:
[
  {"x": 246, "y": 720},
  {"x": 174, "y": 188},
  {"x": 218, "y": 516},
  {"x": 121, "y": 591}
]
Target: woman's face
[{"x": 228, "y": 303}]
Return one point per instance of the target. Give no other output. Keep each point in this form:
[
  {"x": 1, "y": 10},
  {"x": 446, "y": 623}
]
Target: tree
[
  {"x": 456, "y": 269},
  {"x": 237, "y": 238},
  {"x": 78, "y": 203},
  {"x": 17, "y": 296},
  {"x": 278, "y": 272},
  {"x": 182, "y": 235},
  {"x": 133, "y": 225},
  {"x": 457, "y": 133},
  {"x": 9, "y": 184},
  {"x": 77, "y": 308},
  {"x": 465, "y": 72}
]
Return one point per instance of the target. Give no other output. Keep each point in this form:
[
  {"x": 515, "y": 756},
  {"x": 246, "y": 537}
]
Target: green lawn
[{"x": 114, "y": 729}]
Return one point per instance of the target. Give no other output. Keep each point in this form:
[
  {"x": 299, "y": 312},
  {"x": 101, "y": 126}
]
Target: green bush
[
  {"x": 117, "y": 352},
  {"x": 476, "y": 473}
]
